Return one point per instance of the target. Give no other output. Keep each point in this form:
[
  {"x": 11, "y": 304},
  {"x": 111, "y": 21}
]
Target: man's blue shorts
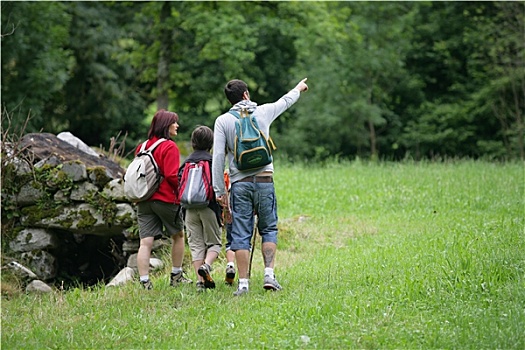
[{"x": 247, "y": 199}]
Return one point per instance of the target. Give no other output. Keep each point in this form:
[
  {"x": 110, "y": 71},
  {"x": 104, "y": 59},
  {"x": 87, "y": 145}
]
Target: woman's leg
[{"x": 144, "y": 255}]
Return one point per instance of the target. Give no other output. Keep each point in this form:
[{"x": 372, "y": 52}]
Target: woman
[{"x": 160, "y": 215}]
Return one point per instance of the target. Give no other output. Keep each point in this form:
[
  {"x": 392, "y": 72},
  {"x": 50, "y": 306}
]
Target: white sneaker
[
  {"x": 271, "y": 283},
  {"x": 240, "y": 291}
]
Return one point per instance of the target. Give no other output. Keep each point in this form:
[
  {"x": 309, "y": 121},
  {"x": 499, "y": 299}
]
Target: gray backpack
[
  {"x": 195, "y": 185},
  {"x": 143, "y": 176}
]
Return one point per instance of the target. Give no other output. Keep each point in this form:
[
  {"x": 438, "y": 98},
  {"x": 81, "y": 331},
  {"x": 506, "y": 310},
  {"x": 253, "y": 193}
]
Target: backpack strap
[
  {"x": 152, "y": 147},
  {"x": 158, "y": 142},
  {"x": 150, "y": 150},
  {"x": 143, "y": 147},
  {"x": 235, "y": 114},
  {"x": 244, "y": 113}
]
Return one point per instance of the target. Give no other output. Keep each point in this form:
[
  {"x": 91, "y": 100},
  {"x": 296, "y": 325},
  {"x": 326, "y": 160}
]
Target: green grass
[{"x": 421, "y": 255}]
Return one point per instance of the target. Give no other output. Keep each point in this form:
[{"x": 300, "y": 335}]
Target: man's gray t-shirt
[{"x": 224, "y": 137}]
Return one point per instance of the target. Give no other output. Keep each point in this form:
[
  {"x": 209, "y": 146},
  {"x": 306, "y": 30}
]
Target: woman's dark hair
[
  {"x": 160, "y": 125},
  {"x": 234, "y": 90},
  {"x": 202, "y": 138}
]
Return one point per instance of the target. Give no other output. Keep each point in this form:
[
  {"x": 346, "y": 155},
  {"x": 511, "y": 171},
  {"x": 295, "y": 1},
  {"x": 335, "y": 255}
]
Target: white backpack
[{"x": 143, "y": 176}]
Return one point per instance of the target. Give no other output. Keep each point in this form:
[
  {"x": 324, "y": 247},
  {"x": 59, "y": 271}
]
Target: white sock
[
  {"x": 144, "y": 278},
  {"x": 230, "y": 264},
  {"x": 243, "y": 283},
  {"x": 268, "y": 271},
  {"x": 176, "y": 269}
]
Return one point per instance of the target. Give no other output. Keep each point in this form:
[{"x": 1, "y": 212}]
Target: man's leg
[
  {"x": 242, "y": 230},
  {"x": 268, "y": 229},
  {"x": 196, "y": 265},
  {"x": 268, "y": 253},
  {"x": 243, "y": 260}
]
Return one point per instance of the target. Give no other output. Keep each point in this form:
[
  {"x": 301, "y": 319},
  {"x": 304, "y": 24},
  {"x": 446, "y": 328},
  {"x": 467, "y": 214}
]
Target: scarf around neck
[{"x": 249, "y": 105}]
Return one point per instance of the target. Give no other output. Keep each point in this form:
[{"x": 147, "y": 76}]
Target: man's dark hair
[
  {"x": 202, "y": 138},
  {"x": 234, "y": 90}
]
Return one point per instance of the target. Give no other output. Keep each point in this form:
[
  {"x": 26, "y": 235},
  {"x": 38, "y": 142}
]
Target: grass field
[{"x": 413, "y": 255}]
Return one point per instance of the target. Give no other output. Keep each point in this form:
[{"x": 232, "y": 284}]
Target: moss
[
  {"x": 98, "y": 175},
  {"x": 126, "y": 220},
  {"x": 45, "y": 168},
  {"x": 133, "y": 231},
  {"x": 29, "y": 236},
  {"x": 66, "y": 223},
  {"x": 103, "y": 205},
  {"x": 10, "y": 210},
  {"x": 54, "y": 178},
  {"x": 36, "y": 213},
  {"x": 11, "y": 181},
  {"x": 86, "y": 219},
  {"x": 97, "y": 170},
  {"x": 50, "y": 179},
  {"x": 59, "y": 179},
  {"x": 24, "y": 179},
  {"x": 9, "y": 232}
]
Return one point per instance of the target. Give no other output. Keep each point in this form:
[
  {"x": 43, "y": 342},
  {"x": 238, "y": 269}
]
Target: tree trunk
[
  {"x": 373, "y": 140},
  {"x": 518, "y": 107},
  {"x": 371, "y": 128},
  {"x": 163, "y": 71}
]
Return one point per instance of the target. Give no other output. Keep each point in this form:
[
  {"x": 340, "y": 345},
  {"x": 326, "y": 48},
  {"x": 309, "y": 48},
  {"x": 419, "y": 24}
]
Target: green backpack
[{"x": 252, "y": 149}]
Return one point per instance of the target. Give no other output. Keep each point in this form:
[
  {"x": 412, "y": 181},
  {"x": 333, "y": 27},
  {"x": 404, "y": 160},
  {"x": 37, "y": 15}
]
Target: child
[{"x": 203, "y": 224}]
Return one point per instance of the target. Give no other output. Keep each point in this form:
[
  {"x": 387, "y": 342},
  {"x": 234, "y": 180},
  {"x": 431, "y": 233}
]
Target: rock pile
[{"x": 69, "y": 219}]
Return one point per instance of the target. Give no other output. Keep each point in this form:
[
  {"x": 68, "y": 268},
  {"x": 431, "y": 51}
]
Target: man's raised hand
[{"x": 302, "y": 85}]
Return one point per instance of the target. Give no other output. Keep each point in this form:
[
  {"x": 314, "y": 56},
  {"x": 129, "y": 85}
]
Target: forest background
[{"x": 389, "y": 80}]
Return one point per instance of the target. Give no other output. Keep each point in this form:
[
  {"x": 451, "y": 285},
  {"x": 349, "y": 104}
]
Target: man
[{"x": 252, "y": 191}]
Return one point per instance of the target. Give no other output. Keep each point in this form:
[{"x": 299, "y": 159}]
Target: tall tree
[
  {"x": 100, "y": 95},
  {"x": 384, "y": 40},
  {"x": 35, "y": 62},
  {"x": 165, "y": 48},
  {"x": 202, "y": 42},
  {"x": 388, "y": 79},
  {"x": 353, "y": 54},
  {"x": 500, "y": 66},
  {"x": 463, "y": 56}
]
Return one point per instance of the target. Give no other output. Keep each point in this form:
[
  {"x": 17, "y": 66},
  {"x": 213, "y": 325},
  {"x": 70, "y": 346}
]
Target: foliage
[
  {"x": 100, "y": 92},
  {"x": 13, "y": 160},
  {"x": 355, "y": 59},
  {"x": 36, "y": 63},
  {"x": 388, "y": 79},
  {"x": 464, "y": 63}
]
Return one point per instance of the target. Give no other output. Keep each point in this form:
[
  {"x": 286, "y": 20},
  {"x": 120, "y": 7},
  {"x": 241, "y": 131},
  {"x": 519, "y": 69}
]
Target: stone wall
[{"x": 64, "y": 214}]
